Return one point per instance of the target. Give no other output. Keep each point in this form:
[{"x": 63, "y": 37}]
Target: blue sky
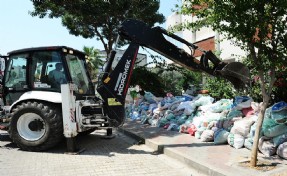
[{"x": 19, "y": 30}]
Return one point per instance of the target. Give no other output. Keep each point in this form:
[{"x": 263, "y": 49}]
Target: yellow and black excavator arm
[{"x": 115, "y": 83}]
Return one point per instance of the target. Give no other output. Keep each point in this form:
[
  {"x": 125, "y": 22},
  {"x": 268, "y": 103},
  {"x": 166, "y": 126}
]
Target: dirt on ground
[{"x": 261, "y": 165}]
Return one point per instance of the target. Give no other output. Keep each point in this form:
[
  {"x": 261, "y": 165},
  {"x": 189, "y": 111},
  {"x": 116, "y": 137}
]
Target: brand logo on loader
[{"x": 122, "y": 78}]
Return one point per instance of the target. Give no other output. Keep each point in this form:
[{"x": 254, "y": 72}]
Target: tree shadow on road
[
  {"x": 96, "y": 144},
  {"x": 92, "y": 144}
]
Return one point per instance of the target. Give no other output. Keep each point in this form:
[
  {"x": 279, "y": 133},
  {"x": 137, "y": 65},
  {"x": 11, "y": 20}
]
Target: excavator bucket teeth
[{"x": 237, "y": 73}]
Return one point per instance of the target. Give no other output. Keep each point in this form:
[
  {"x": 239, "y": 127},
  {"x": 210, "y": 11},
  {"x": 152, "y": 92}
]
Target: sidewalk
[{"x": 206, "y": 158}]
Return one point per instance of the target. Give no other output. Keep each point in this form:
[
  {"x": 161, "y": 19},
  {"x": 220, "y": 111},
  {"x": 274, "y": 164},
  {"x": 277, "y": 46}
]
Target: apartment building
[{"x": 206, "y": 39}]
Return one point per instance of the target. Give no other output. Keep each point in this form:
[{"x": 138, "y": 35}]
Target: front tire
[{"x": 36, "y": 126}]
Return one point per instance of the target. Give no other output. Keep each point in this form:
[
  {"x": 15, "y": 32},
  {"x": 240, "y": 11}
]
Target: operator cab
[{"x": 45, "y": 69}]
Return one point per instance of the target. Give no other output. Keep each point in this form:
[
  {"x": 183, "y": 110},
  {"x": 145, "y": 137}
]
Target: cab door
[{"x": 15, "y": 79}]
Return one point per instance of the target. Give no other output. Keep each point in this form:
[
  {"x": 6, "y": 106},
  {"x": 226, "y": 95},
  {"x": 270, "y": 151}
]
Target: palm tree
[{"x": 94, "y": 61}]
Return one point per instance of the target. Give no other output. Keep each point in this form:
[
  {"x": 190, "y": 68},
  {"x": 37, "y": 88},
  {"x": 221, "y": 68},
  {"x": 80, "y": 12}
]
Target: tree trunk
[
  {"x": 266, "y": 97},
  {"x": 260, "y": 119}
]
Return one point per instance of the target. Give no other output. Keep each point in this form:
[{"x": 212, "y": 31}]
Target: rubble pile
[{"x": 223, "y": 121}]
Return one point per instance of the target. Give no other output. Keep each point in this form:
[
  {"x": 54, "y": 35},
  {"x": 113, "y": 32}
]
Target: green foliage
[
  {"x": 98, "y": 18},
  {"x": 190, "y": 78},
  {"x": 255, "y": 92},
  {"x": 241, "y": 20},
  {"x": 133, "y": 94},
  {"x": 171, "y": 81},
  {"x": 279, "y": 91},
  {"x": 255, "y": 89},
  {"x": 174, "y": 78},
  {"x": 148, "y": 81},
  {"x": 159, "y": 81},
  {"x": 93, "y": 61},
  {"x": 181, "y": 79},
  {"x": 259, "y": 27},
  {"x": 219, "y": 88}
]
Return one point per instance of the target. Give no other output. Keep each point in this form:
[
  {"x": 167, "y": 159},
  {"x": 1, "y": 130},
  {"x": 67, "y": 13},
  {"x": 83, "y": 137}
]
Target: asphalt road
[{"x": 119, "y": 156}]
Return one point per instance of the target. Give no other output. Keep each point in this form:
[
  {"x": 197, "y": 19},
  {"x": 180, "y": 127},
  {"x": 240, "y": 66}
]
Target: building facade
[{"x": 206, "y": 39}]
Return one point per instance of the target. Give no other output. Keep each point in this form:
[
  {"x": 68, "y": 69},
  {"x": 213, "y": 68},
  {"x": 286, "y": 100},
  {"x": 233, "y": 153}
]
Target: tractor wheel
[{"x": 36, "y": 126}]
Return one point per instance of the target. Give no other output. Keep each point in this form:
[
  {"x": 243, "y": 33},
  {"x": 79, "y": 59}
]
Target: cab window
[
  {"x": 16, "y": 73},
  {"x": 44, "y": 64}
]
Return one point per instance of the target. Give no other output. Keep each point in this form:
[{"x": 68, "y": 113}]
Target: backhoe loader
[{"x": 38, "y": 114}]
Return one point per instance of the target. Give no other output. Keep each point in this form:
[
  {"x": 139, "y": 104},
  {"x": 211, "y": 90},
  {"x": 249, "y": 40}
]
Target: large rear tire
[{"x": 36, "y": 126}]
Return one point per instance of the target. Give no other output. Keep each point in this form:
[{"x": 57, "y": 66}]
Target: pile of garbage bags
[{"x": 226, "y": 121}]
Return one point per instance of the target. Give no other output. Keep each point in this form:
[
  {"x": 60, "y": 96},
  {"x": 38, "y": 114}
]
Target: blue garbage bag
[
  {"x": 181, "y": 119},
  {"x": 279, "y": 106},
  {"x": 279, "y": 112},
  {"x": 149, "y": 97},
  {"x": 144, "y": 106},
  {"x": 241, "y": 102},
  {"x": 234, "y": 113},
  {"x": 187, "y": 97}
]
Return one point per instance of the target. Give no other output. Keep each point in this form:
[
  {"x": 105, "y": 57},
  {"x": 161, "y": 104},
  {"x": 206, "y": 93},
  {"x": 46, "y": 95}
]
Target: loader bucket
[{"x": 237, "y": 73}]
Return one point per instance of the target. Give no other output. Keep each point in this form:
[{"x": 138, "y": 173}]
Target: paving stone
[{"x": 118, "y": 156}]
